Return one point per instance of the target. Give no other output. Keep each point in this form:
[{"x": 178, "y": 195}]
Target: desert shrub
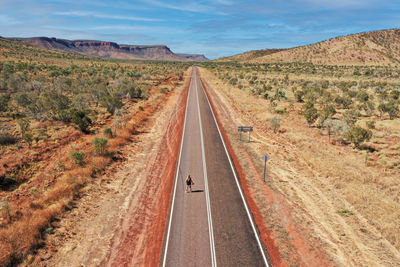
[
  {"x": 368, "y": 107},
  {"x": 4, "y": 99},
  {"x": 281, "y": 111},
  {"x": 55, "y": 105},
  {"x": 327, "y": 112},
  {"x": 299, "y": 96},
  {"x": 351, "y": 116},
  {"x": 395, "y": 94},
  {"x": 275, "y": 123},
  {"x": 78, "y": 158},
  {"x": 336, "y": 127},
  {"x": 29, "y": 104},
  {"x": 24, "y": 125},
  {"x": 27, "y": 137},
  {"x": 358, "y": 135},
  {"x": 108, "y": 132},
  {"x": 391, "y": 108},
  {"x": 6, "y": 138},
  {"x": 345, "y": 102},
  {"x": 310, "y": 113},
  {"x": 80, "y": 118},
  {"x": 100, "y": 145},
  {"x": 370, "y": 124},
  {"x": 111, "y": 103}
]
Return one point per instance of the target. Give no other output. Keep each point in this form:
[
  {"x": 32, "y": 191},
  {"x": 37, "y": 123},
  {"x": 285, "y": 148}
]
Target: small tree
[
  {"x": 310, "y": 113},
  {"x": 275, "y": 123},
  {"x": 100, "y": 145},
  {"x": 80, "y": 118},
  {"x": 358, "y": 135},
  {"x": 327, "y": 113},
  {"x": 351, "y": 116},
  {"x": 339, "y": 128},
  {"x": 392, "y": 109}
]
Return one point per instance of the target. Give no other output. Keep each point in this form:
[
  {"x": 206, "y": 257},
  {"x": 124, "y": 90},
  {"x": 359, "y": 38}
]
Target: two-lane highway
[{"x": 212, "y": 225}]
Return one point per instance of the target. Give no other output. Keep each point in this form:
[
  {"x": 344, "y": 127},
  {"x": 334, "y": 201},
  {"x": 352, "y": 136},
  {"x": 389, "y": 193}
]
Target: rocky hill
[
  {"x": 193, "y": 57},
  {"x": 250, "y": 55},
  {"x": 110, "y": 49},
  {"x": 369, "y": 48}
]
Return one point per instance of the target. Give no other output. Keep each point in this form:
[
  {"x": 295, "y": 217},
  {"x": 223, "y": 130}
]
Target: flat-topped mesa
[
  {"x": 106, "y": 49},
  {"x": 80, "y": 43}
]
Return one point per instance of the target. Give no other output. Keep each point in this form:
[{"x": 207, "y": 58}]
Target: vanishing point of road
[{"x": 212, "y": 225}]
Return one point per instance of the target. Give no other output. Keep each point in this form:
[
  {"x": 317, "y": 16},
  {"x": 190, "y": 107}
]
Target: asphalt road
[{"x": 210, "y": 226}]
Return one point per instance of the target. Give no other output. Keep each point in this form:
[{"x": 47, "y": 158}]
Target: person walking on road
[{"x": 189, "y": 182}]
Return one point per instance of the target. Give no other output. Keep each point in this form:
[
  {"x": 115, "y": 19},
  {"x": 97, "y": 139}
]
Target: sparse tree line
[
  {"x": 30, "y": 91},
  {"x": 332, "y": 105}
]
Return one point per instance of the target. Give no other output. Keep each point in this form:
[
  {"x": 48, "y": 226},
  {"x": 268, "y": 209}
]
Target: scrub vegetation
[{"x": 63, "y": 119}]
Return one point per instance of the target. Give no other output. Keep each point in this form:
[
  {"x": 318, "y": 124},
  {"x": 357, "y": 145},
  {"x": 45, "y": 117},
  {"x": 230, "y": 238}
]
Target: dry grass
[
  {"x": 25, "y": 232},
  {"x": 319, "y": 179}
]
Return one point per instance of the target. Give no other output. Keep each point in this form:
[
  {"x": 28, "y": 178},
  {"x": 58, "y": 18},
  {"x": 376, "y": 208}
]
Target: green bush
[
  {"x": 370, "y": 124},
  {"x": 23, "y": 125},
  {"x": 310, "y": 113},
  {"x": 100, "y": 145},
  {"x": 111, "y": 103},
  {"x": 108, "y": 132},
  {"x": 351, "y": 116},
  {"x": 78, "y": 158},
  {"x": 28, "y": 137},
  {"x": 6, "y": 138},
  {"x": 80, "y": 118},
  {"x": 358, "y": 135},
  {"x": 4, "y": 99},
  {"x": 275, "y": 123}
]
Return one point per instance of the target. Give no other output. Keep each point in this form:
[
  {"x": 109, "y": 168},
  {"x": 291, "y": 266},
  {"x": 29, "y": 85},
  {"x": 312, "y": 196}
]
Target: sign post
[
  {"x": 244, "y": 129},
  {"x": 265, "y": 158}
]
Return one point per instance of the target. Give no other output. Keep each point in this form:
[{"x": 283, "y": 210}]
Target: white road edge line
[
  {"x": 210, "y": 226},
  {"x": 176, "y": 179},
  {"x": 238, "y": 185}
]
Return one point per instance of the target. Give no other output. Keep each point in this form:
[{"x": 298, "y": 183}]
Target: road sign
[
  {"x": 265, "y": 158},
  {"x": 245, "y": 129}
]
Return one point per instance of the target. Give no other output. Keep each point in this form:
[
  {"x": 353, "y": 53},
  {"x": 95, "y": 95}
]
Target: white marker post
[{"x": 265, "y": 158}]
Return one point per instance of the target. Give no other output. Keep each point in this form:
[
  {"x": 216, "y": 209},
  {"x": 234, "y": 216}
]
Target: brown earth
[
  {"x": 98, "y": 227},
  {"x": 321, "y": 202},
  {"x": 369, "y": 48}
]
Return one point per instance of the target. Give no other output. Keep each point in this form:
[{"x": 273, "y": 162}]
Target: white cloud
[
  {"x": 341, "y": 3},
  {"x": 191, "y": 6},
  {"x": 104, "y": 16}
]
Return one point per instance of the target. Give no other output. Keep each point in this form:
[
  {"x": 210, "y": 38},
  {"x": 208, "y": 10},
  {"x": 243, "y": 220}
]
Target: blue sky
[{"x": 214, "y": 28}]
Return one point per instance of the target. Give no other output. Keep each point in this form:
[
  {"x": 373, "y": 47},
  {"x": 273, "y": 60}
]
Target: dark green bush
[
  {"x": 78, "y": 158},
  {"x": 80, "y": 118},
  {"x": 358, "y": 135},
  {"x": 100, "y": 145},
  {"x": 4, "y": 99},
  {"x": 108, "y": 132}
]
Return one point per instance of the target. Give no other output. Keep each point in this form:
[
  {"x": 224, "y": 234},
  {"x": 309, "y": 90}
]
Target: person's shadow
[{"x": 197, "y": 191}]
